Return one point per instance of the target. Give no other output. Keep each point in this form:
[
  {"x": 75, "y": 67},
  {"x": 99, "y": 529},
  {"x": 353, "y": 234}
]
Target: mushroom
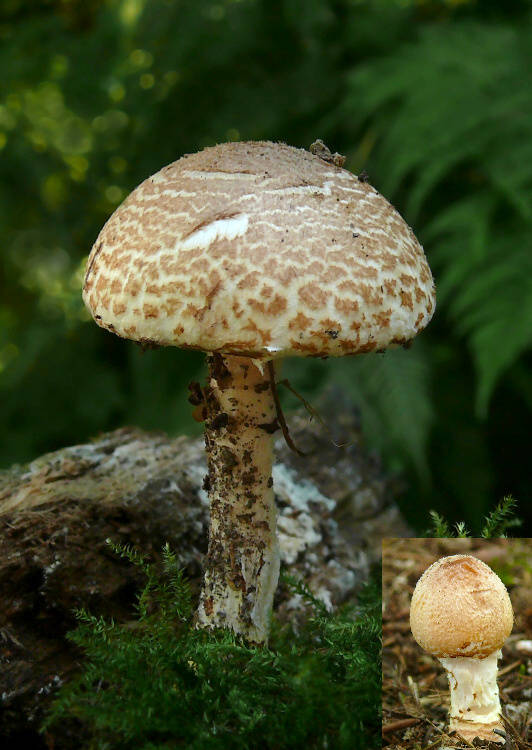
[
  {"x": 253, "y": 252},
  {"x": 461, "y": 613}
]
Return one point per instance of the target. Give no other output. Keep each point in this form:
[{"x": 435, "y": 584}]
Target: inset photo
[{"x": 457, "y": 643}]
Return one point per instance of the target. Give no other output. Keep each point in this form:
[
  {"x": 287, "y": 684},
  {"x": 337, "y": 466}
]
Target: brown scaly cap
[
  {"x": 460, "y": 607},
  {"x": 259, "y": 249}
]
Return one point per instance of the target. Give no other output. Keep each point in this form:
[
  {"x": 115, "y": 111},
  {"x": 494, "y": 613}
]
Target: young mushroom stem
[
  {"x": 475, "y": 705},
  {"x": 242, "y": 565}
]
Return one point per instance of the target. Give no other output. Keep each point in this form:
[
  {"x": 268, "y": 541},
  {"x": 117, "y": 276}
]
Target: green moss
[
  {"x": 496, "y": 524},
  {"x": 159, "y": 683}
]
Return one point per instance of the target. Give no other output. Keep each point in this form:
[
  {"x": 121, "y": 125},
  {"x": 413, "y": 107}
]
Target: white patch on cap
[{"x": 223, "y": 229}]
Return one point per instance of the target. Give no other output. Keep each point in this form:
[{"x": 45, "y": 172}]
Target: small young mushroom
[
  {"x": 461, "y": 613},
  {"x": 252, "y": 252}
]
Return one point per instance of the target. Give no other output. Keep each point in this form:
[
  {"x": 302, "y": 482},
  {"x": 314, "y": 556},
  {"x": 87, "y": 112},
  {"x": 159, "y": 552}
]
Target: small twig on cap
[
  {"x": 318, "y": 148},
  {"x": 279, "y": 411}
]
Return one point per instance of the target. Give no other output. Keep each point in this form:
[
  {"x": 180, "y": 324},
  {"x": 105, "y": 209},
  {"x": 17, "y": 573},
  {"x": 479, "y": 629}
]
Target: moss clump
[
  {"x": 496, "y": 524},
  {"x": 158, "y": 683}
]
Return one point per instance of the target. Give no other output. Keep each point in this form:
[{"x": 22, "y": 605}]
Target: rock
[{"x": 145, "y": 489}]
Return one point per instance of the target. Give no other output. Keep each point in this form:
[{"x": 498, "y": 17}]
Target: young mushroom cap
[
  {"x": 462, "y": 614},
  {"x": 460, "y": 608},
  {"x": 262, "y": 250}
]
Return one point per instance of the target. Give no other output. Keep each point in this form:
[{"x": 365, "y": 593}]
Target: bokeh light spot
[
  {"x": 117, "y": 164},
  {"x": 171, "y": 77},
  {"x": 146, "y": 81},
  {"x": 54, "y": 191},
  {"x": 114, "y": 194},
  {"x": 116, "y": 91},
  {"x": 141, "y": 58},
  {"x": 59, "y": 66}
]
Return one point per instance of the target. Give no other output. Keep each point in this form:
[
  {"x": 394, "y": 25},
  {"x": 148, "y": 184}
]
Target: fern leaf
[
  {"x": 482, "y": 155},
  {"x": 393, "y": 393}
]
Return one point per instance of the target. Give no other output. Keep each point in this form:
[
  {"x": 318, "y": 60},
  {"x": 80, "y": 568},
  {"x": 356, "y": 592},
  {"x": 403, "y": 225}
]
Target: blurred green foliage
[{"x": 432, "y": 97}]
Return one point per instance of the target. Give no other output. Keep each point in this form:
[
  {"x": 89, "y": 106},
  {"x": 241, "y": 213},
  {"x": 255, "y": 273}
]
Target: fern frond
[
  {"x": 482, "y": 156},
  {"x": 483, "y": 103},
  {"x": 497, "y": 311},
  {"x": 393, "y": 391}
]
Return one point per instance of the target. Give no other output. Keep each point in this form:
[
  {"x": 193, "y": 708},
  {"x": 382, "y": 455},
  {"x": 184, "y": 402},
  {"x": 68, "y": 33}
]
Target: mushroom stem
[
  {"x": 242, "y": 564},
  {"x": 475, "y": 705}
]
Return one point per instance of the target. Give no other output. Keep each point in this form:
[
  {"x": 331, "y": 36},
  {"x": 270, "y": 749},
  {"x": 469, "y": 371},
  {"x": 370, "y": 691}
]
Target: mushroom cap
[
  {"x": 259, "y": 249},
  {"x": 460, "y": 607}
]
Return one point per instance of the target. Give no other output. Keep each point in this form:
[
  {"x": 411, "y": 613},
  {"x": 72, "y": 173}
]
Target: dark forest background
[{"x": 432, "y": 98}]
